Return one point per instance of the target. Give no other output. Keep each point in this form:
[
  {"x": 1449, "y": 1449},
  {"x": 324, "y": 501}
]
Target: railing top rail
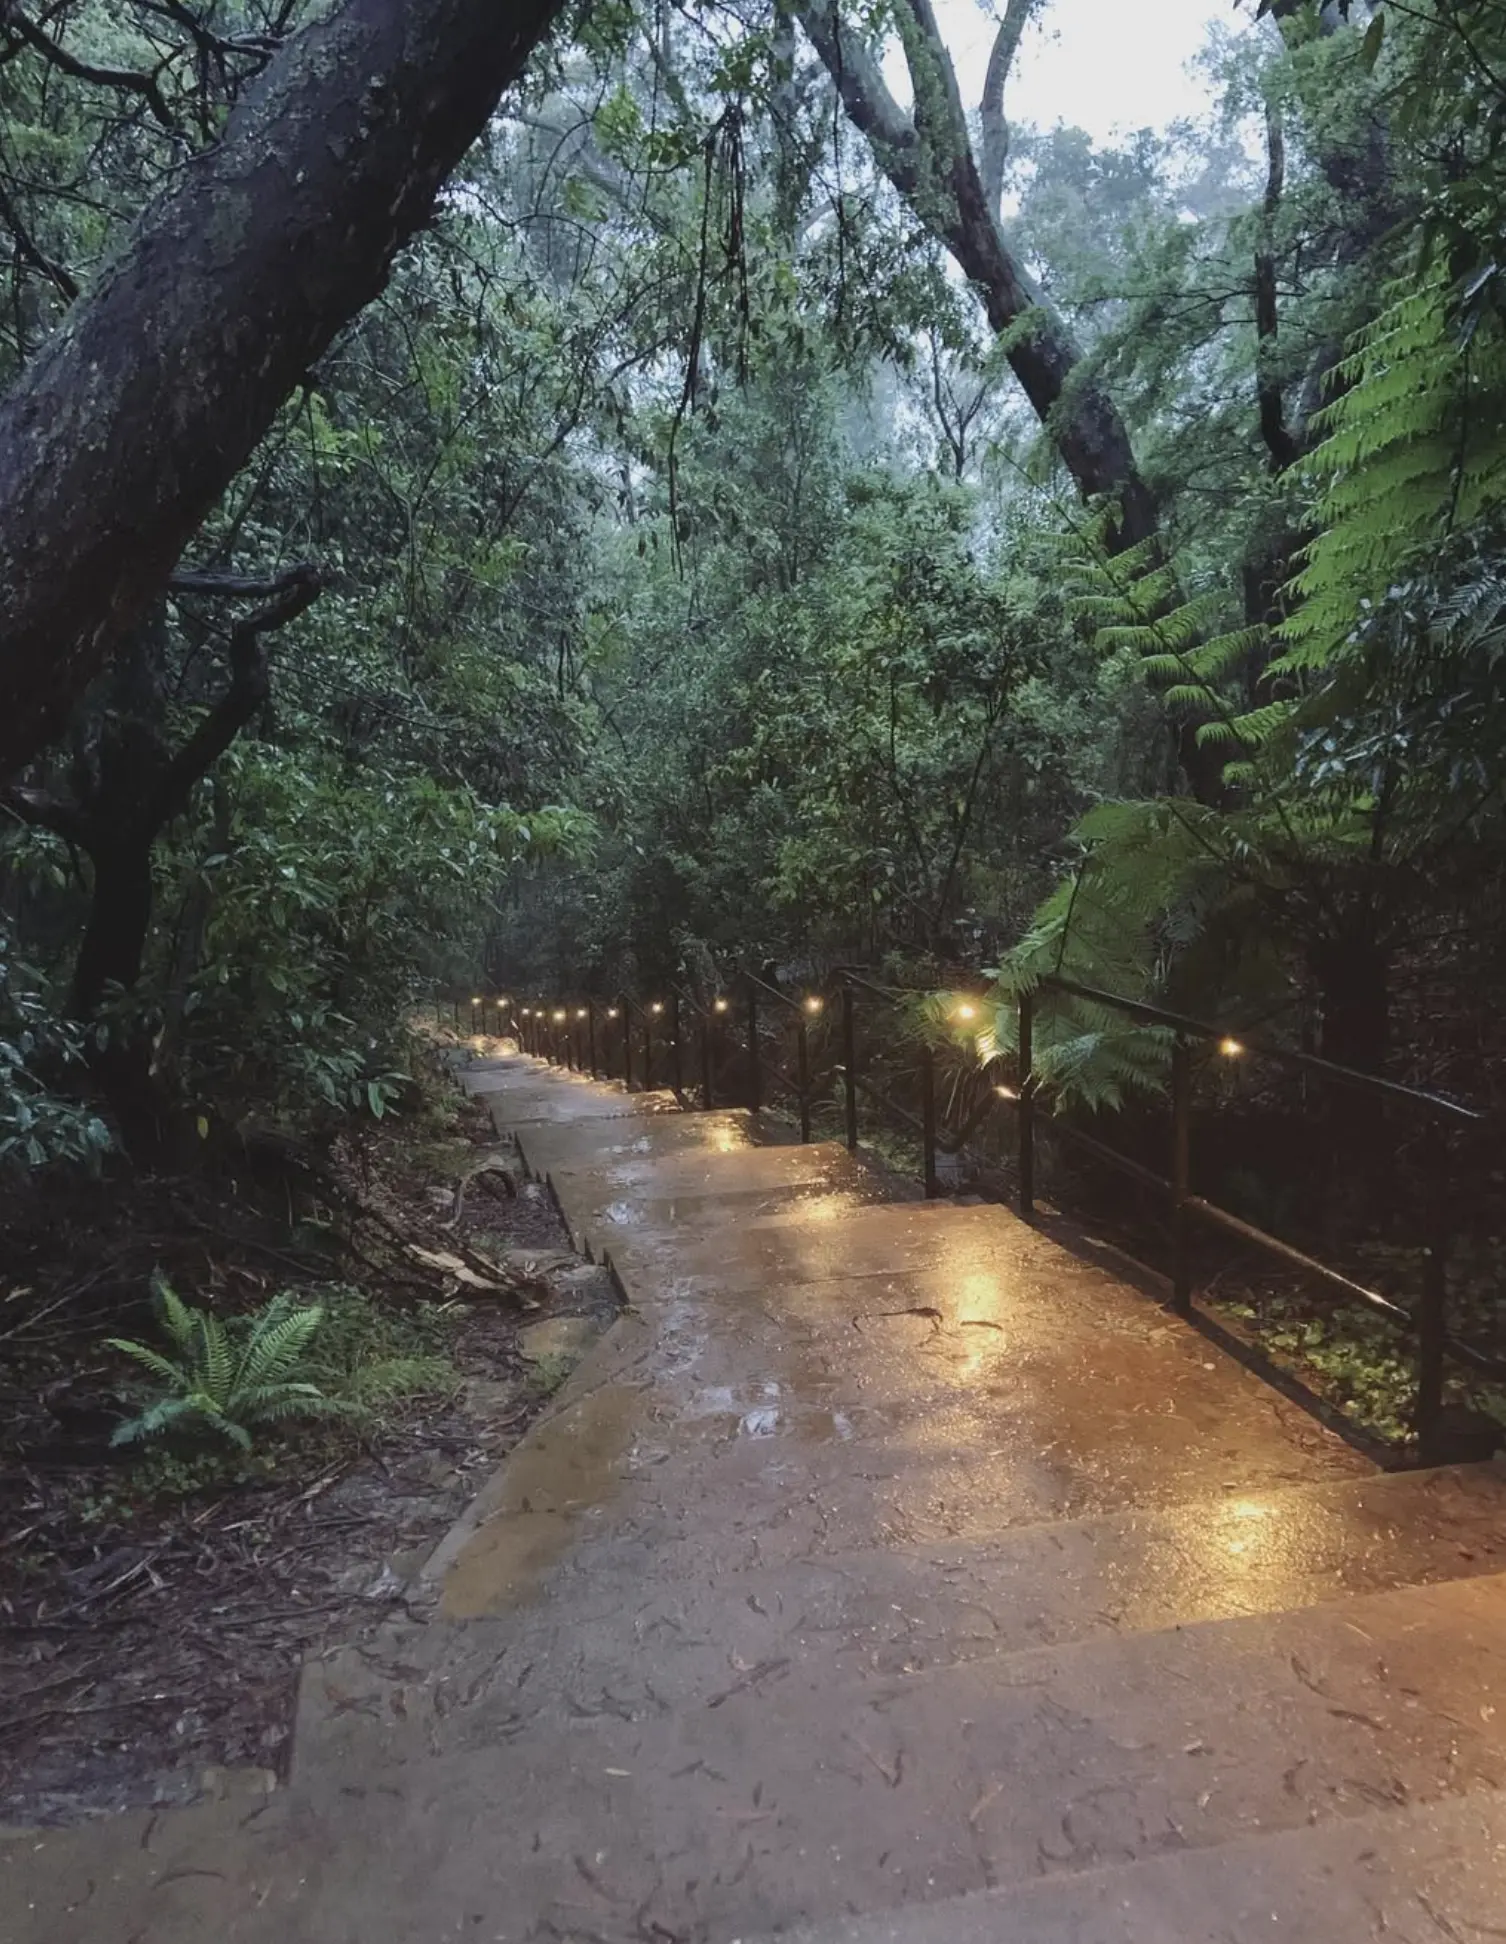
[
  {"x": 1270, "y": 1049},
  {"x": 773, "y": 991}
]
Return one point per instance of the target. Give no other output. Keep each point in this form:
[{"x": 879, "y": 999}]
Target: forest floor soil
[{"x": 151, "y": 1635}]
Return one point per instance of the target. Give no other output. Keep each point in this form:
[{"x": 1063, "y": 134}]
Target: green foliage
[
  {"x": 228, "y": 1378},
  {"x": 40, "y": 1122},
  {"x": 1414, "y": 451},
  {"x": 345, "y": 1359}
]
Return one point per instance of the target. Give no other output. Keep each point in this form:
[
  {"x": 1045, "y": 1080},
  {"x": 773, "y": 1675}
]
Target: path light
[
  {"x": 656, "y": 1007},
  {"x": 611, "y": 1012},
  {"x": 581, "y": 1013},
  {"x": 965, "y": 1012},
  {"x": 560, "y": 1016},
  {"x": 475, "y": 1002},
  {"x": 813, "y": 1004},
  {"x": 719, "y": 1005},
  {"x": 1230, "y": 1048}
]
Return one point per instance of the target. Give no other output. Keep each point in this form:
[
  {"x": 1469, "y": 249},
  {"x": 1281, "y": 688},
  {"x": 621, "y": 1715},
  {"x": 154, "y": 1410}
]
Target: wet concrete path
[{"x": 888, "y": 1571}]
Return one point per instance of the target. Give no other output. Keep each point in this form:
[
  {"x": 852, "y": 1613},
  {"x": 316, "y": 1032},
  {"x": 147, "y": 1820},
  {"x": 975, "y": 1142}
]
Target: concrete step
[
  {"x": 765, "y": 1428},
  {"x": 626, "y": 1631},
  {"x": 676, "y": 1200},
  {"x": 789, "y": 1798},
  {"x": 837, "y": 1245},
  {"x": 522, "y": 1091},
  {"x": 787, "y": 1804},
  {"x": 709, "y": 1169},
  {"x": 555, "y": 1148},
  {"x": 1408, "y": 1876}
]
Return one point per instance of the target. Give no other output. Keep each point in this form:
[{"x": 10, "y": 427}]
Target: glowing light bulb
[
  {"x": 475, "y": 1002},
  {"x": 581, "y": 1014},
  {"x": 560, "y": 1014},
  {"x": 611, "y": 1012},
  {"x": 719, "y": 1005},
  {"x": 656, "y": 1007},
  {"x": 966, "y": 1012},
  {"x": 813, "y": 1004},
  {"x": 1230, "y": 1048}
]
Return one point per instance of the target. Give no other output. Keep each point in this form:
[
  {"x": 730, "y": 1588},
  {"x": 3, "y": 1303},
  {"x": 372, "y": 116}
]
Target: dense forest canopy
[{"x": 735, "y": 490}]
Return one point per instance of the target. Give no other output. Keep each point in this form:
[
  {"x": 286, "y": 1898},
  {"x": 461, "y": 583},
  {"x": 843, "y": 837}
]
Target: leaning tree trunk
[
  {"x": 928, "y": 157},
  {"x": 120, "y": 436}
]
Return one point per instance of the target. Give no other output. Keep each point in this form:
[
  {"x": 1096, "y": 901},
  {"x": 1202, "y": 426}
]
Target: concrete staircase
[{"x": 889, "y": 1573}]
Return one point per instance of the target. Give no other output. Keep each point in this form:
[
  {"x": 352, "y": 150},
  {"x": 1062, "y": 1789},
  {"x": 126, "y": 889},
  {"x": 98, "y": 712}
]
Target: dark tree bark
[
  {"x": 125, "y": 790},
  {"x": 121, "y": 434},
  {"x": 1282, "y": 447}
]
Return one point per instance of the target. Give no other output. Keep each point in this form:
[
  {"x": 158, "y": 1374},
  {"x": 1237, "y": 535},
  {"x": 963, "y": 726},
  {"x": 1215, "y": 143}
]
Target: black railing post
[
  {"x": 708, "y": 1055},
  {"x": 1025, "y": 1106},
  {"x": 591, "y": 1033},
  {"x": 755, "y": 1074},
  {"x": 849, "y": 1068},
  {"x": 627, "y": 1045},
  {"x": 803, "y": 1078},
  {"x": 648, "y": 1048},
  {"x": 1432, "y": 1343},
  {"x": 1181, "y": 1172},
  {"x": 928, "y": 1122},
  {"x": 677, "y": 1063}
]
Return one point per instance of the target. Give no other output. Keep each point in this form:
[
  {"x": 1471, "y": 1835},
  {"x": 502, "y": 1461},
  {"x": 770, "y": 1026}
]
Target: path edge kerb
[{"x": 618, "y": 1346}]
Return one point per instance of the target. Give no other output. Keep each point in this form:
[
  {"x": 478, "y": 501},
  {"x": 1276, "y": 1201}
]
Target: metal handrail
[
  {"x": 1267, "y": 1049},
  {"x": 567, "y": 1034}
]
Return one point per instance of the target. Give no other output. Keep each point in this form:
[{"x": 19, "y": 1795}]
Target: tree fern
[{"x": 1415, "y": 449}]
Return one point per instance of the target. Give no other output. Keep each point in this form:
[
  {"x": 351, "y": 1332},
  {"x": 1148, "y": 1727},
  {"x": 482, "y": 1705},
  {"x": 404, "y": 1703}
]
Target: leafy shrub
[
  {"x": 232, "y": 1377},
  {"x": 374, "y": 1356},
  {"x": 37, "y": 1123}
]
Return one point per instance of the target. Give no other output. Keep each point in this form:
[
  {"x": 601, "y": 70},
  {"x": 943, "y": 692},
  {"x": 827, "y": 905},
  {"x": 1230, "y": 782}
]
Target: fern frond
[{"x": 171, "y": 1374}]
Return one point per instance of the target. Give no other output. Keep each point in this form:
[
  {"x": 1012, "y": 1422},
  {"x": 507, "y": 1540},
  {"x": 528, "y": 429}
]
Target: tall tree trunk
[
  {"x": 1353, "y": 974},
  {"x": 120, "y": 436},
  {"x": 120, "y": 912}
]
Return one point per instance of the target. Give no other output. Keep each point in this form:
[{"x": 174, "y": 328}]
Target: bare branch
[
  {"x": 210, "y": 580},
  {"x": 248, "y": 688},
  {"x": 865, "y": 95},
  {"x": 144, "y": 85},
  {"x": 30, "y": 250},
  {"x": 40, "y": 810},
  {"x": 995, "y": 128}
]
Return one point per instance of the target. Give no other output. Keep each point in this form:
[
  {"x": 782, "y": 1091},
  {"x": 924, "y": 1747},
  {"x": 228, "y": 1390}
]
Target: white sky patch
[{"x": 1107, "y": 66}]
